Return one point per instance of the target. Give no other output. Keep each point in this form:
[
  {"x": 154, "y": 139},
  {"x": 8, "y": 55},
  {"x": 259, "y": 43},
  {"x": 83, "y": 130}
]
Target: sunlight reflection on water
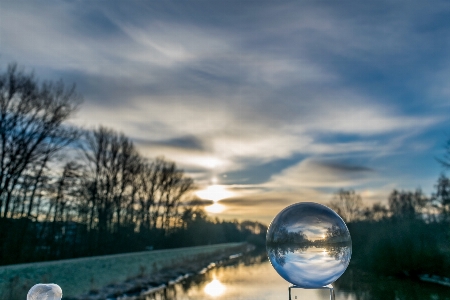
[
  {"x": 253, "y": 278},
  {"x": 241, "y": 281},
  {"x": 215, "y": 288}
]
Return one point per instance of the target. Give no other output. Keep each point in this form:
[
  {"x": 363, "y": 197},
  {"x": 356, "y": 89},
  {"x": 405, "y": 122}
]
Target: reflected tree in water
[
  {"x": 279, "y": 252},
  {"x": 283, "y": 242},
  {"x": 337, "y": 243},
  {"x": 341, "y": 253}
]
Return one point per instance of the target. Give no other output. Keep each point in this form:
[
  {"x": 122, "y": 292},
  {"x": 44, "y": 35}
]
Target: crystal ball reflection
[
  {"x": 45, "y": 291},
  {"x": 309, "y": 245}
]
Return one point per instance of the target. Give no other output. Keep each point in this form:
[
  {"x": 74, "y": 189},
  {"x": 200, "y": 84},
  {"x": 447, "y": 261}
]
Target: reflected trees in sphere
[{"x": 309, "y": 245}]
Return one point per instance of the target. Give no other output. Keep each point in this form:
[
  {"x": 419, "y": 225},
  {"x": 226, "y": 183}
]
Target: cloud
[
  {"x": 183, "y": 142},
  {"x": 298, "y": 91},
  {"x": 264, "y": 203},
  {"x": 199, "y": 202},
  {"x": 322, "y": 174}
]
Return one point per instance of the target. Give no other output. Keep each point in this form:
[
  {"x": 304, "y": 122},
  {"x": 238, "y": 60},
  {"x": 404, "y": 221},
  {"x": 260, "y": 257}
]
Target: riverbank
[
  {"x": 89, "y": 275},
  {"x": 148, "y": 283}
]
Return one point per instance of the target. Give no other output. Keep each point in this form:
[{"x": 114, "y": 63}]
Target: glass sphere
[
  {"x": 45, "y": 291},
  {"x": 309, "y": 245}
]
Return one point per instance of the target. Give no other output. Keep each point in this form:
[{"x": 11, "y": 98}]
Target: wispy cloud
[
  {"x": 324, "y": 174},
  {"x": 311, "y": 93}
]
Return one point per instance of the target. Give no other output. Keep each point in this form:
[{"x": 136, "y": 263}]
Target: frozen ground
[{"x": 76, "y": 276}]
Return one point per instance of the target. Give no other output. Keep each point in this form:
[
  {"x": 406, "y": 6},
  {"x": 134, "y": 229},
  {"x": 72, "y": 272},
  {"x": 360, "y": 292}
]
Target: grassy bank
[{"x": 77, "y": 276}]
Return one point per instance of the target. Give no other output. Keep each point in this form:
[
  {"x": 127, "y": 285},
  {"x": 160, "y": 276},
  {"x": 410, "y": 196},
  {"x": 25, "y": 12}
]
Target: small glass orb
[
  {"x": 45, "y": 291},
  {"x": 309, "y": 245}
]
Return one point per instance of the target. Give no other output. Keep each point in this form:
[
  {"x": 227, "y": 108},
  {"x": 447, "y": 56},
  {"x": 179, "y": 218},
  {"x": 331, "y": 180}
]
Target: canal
[{"x": 252, "y": 277}]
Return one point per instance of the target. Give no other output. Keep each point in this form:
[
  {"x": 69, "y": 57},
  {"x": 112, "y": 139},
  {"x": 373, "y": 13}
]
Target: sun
[
  {"x": 215, "y": 192},
  {"x": 215, "y": 208}
]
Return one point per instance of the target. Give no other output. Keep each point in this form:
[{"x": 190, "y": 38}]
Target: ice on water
[
  {"x": 45, "y": 291},
  {"x": 309, "y": 245}
]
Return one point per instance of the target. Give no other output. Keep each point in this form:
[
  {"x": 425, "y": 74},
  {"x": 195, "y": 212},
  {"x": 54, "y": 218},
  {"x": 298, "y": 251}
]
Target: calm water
[
  {"x": 310, "y": 266},
  {"x": 252, "y": 277}
]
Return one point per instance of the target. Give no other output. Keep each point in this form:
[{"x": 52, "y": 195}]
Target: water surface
[{"x": 253, "y": 277}]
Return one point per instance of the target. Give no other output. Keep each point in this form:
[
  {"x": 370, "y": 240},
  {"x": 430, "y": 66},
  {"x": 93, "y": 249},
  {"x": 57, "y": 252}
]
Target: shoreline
[
  {"x": 150, "y": 282},
  {"x": 81, "y": 275},
  {"x": 146, "y": 284}
]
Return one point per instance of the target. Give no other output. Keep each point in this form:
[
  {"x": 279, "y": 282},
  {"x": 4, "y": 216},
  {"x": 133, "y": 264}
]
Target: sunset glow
[
  {"x": 215, "y": 208},
  {"x": 215, "y": 192}
]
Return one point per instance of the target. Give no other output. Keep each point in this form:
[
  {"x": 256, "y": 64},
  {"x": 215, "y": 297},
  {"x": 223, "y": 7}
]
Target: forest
[
  {"x": 69, "y": 192},
  {"x": 410, "y": 236}
]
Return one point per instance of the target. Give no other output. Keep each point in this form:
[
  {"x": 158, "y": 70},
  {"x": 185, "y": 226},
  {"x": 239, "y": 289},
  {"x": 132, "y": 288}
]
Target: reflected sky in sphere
[
  {"x": 45, "y": 291},
  {"x": 309, "y": 245}
]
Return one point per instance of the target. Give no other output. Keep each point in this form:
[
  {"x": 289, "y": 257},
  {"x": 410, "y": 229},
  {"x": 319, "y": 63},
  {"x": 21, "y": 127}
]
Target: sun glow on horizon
[
  {"x": 215, "y": 208},
  {"x": 215, "y": 193}
]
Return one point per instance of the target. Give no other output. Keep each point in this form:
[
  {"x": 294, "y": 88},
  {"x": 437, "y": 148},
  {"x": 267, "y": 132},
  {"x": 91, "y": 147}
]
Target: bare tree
[
  {"x": 31, "y": 127},
  {"x": 442, "y": 196},
  {"x": 407, "y": 204},
  {"x": 32, "y": 132},
  {"x": 347, "y": 204},
  {"x": 161, "y": 192},
  {"x": 112, "y": 162},
  {"x": 445, "y": 160},
  {"x": 147, "y": 185}
]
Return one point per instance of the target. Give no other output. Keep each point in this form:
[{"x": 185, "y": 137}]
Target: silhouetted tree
[
  {"x": 442, "y": 195},
  {"x": 254, "y": 227},
  {"x": 32, "y": 131},
  {"x": 377, "y": 212},
  {"x": 347, "y": 204},
  {"x": 161, "y": 188},
  {"x": 63, "y": 207},
  {"x": 111, "y": 163},
  {"x": 445, "y": 160},
  {"x": 406, "y": 204},
  {"x": 174, "y": 184}
]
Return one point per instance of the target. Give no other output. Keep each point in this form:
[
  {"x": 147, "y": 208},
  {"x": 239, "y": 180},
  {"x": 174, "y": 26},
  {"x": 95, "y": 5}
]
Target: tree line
[
  {"x": 69, "y": 192},
  {"x": 400, "y": 205},
  {"x": 408, "y": 236}
]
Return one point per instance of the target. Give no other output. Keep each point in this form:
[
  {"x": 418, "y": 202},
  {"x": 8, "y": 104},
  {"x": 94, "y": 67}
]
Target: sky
[{"x": 262, "y": 103}]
